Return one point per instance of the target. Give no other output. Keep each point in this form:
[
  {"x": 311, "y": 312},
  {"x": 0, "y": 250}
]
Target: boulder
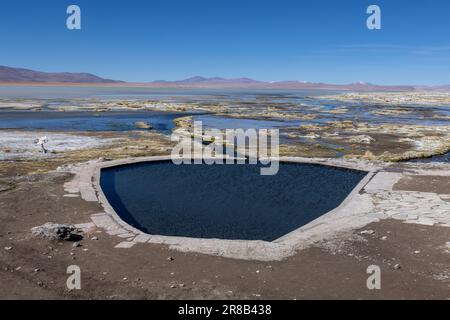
[{"x": 142, "y": 125}]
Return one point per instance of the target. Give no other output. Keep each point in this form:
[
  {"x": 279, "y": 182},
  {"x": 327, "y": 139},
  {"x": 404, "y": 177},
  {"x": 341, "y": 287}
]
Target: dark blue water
[
  {"x": 86, "y": 120},
  {"x": 224, "y": 201},
  {"x": 437, "y": 158}
]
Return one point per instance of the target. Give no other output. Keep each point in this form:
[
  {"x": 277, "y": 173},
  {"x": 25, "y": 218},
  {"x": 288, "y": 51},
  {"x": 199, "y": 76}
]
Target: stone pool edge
[{"x": 350, "y": 214}]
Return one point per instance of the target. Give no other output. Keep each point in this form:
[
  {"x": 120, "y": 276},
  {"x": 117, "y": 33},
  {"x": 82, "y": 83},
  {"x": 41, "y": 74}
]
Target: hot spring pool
[{"x": 224, "y": 201}]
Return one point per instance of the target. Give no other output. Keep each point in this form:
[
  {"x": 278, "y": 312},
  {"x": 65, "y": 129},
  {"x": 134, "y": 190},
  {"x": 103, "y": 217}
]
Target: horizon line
[{"x": 198, "y": 79}]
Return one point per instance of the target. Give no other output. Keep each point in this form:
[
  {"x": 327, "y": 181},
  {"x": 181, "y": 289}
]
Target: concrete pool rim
[{"x": 328, "y": 223}]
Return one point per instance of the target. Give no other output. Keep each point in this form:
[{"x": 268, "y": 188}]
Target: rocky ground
[{"x": 414, "y": 258}]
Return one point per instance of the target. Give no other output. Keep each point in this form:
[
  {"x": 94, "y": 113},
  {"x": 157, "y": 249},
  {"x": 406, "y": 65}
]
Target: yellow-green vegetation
[{"x": 386, "y": 142}]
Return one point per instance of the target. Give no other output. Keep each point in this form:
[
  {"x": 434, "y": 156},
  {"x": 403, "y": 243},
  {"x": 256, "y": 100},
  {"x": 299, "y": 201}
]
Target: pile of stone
[{"x": 55, "y": 231}]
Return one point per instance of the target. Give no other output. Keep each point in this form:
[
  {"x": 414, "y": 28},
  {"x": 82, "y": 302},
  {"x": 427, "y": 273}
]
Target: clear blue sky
[{"x": 315, "y": 40}]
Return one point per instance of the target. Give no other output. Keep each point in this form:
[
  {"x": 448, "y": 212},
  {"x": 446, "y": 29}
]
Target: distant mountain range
[
  {"x": 216, "y": 82},
  {"x": 19, "y": 76}
]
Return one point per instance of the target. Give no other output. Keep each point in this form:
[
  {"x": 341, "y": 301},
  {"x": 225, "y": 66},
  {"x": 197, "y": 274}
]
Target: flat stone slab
[
  {"x": 125, "y": 245},
  {"x": 85, "y": 226},
  {"x": 142, "y": 238}
]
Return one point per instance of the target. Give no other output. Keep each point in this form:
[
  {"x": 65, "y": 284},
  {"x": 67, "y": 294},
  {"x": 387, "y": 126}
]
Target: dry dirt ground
[{"x": 336, "y": 269}]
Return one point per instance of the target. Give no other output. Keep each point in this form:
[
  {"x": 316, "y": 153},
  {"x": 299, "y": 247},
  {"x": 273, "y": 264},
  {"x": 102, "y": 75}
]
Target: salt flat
[{"x": 21, "y": 144}]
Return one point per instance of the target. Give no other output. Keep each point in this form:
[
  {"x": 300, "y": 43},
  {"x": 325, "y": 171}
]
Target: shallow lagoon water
[
  {"x": 176, "y": 94},
  {"x": 86, "y": 120},
  {"x": 224, "y": 201},
  {"x": 445, "y": 158},
  {"x": 250, "y": 104},
  {"x": 290, "y": 101},
  {"x": 222, "y": 123}
]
